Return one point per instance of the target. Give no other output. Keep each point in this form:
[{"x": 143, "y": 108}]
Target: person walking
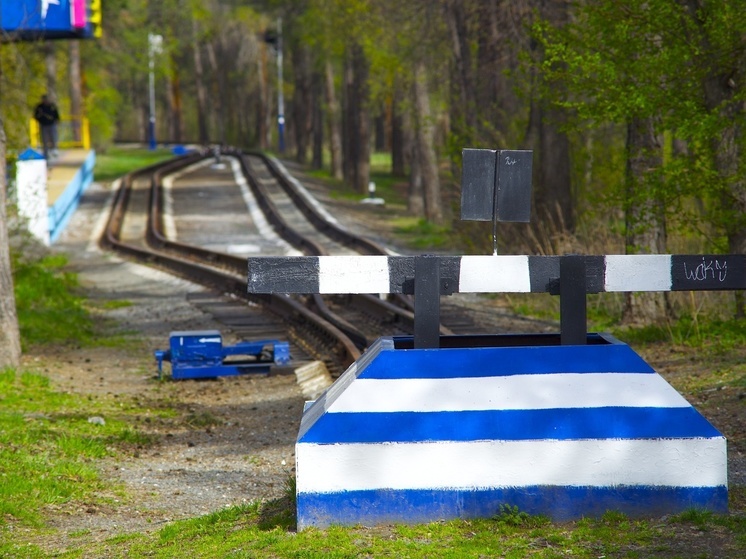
[{"x": 47, "y": 116}]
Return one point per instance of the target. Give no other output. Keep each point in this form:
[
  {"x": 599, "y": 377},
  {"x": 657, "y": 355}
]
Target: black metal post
[
  {"x": 573, "y": 317},
  {"x": 426, "y": 302}
]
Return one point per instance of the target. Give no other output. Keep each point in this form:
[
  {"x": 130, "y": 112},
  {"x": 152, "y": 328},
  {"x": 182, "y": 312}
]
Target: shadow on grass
[{"x": 278, "y": 513}]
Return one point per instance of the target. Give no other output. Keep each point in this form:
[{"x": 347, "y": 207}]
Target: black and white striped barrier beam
[{"x": 571, "y": 277}]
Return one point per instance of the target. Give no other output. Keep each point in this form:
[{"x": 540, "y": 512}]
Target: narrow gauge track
[
  {"x": 334, "y": 329},
  {"x": 134, "y": 230},
  {"x": 306, "y": 225}
]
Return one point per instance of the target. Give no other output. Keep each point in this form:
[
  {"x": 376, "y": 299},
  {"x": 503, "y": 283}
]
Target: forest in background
[{"x": 634, "y": 109}]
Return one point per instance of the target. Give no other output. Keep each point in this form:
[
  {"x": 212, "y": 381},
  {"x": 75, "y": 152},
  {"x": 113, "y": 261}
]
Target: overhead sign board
[{"x": 24, "y": 20}]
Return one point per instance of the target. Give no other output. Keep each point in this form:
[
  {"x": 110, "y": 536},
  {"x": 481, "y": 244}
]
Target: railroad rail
[
  {"x": 224, "y": 273},
  {"x": 328, "y": 328}
]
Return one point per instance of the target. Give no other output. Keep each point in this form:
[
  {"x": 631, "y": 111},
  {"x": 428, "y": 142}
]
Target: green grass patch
[
  {"x": 116, "y": 162},
  {"x": 423, "y": 234},
  {"x": 392, "y": 189},
  {"x": 712, "y": 335},
  {"x": 117, "y": 304},
  {"x": 48, "y": 309},
  {"x": 51, "y": 311},
  {"x": 48, "y": 447},
  {"x": 241, "y": 532}
]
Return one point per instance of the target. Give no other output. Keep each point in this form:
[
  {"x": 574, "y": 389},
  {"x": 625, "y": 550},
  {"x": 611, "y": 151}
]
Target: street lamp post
[
  {"x": 154, "y": 47},
  {"x": 280, "y": 97}
]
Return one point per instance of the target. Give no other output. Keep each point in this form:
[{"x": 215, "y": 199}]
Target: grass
[
  {"x": 49, "y": 310},
  {"x": 239, "y": 532},
  {"x": 423, "y": 234},
  {"x": 48, "y": 448},
  {"x": 117, "y": 161},
  {"x": 391, "y": 189}
]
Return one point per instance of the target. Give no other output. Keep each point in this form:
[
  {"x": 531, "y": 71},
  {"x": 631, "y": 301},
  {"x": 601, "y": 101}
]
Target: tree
[
  {"x": 613, "y": 64},
  {"x": 356, "y": 120},
  {"x": 424, "y": 146},
  {"x": 719, "y": 55},
  {"x": 553, "y": 198},
  {"x": 76, "y": 88},
  {"x": 10, "y": 339}
]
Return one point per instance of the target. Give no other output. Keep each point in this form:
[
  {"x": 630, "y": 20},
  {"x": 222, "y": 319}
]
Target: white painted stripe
[
  {"x": 169, "y": 223},
  {"x": 494, "y": 274},
  {"x": 353, "y": 274},
  {"x": 519, "y": 392},
  {"x": 257, "y": 215},
  {"x": 103, "y": 219},
  {"x": 307, "y": 195},
  {"x": 492, "y": 464},
  {"x": 638, "y": 272}
]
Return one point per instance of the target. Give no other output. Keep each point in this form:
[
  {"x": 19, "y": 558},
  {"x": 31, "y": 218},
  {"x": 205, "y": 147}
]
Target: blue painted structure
[
  {"x": 30, "y": 154},
  {"x": 63, "y": 208},
  {"x": 50, "y": 19},
  {"x": 200, "y": 354},
  {"x": 416, "y": 435}
]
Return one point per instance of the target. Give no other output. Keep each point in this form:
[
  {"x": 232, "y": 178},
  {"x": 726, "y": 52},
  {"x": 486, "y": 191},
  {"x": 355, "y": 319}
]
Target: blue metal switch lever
[{"x": 201, "y": 354}]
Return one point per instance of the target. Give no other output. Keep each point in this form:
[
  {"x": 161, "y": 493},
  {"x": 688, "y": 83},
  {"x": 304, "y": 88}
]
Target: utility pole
[
  {"x": 154, "y": 47},
  {"x": 280, "y": 97}
]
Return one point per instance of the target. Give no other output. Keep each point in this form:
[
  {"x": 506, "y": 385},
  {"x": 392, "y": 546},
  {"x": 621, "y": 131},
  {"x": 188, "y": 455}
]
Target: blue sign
[{"x": 46, "y": 19}]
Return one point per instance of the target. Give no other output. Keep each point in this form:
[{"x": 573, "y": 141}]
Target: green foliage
[
  {"x": 100, "y": 105},
  {"x": 513, "y": 517},
  {"x": 662, "y": 61}
]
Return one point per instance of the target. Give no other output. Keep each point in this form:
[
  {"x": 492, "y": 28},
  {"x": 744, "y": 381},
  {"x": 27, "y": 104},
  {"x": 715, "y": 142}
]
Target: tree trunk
[
  {"x": 302, "y": 101},
  {"x": 465, "y": 106},
  {"x": 645, "y": 214},
  {"x": 553, "y": 200},
  {"x": 218, "y": 92},
  {"x": 424, "y": 134},
  {"x": 415, "y": 194},
  {"x": 501, "y": 28},
  {"x": 263, "y": 107},
  {"x": 50, "y": 65},
  {"x": 727, "y": 148},
  {"x": 76, "y": 88},
  {"x": 176, "y": 119},
  {"x": 380, "y": 131},
  {"x": 399, "y": 149},
  {"x": 317, "y": 125},
  {"x": 356, "y": 144},
  {"x": 335, "y": 133},
  {"x": 203, "y": 135},
  {"x": 10, "y": 338},
  {"x": 553, "y": 188}
]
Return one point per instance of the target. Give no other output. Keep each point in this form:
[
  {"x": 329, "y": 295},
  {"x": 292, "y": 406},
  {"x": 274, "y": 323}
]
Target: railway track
[
  {"x": 320, "y": 329},
  {"x": 175, "y": 228},
  {"x": 134, "y": 229}
]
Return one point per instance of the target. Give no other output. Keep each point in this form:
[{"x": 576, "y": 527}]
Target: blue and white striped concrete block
[{"x": 407, "y": 436}]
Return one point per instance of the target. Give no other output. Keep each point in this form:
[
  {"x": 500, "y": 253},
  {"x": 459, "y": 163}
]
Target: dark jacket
[{"x": 46, "y": 113}]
